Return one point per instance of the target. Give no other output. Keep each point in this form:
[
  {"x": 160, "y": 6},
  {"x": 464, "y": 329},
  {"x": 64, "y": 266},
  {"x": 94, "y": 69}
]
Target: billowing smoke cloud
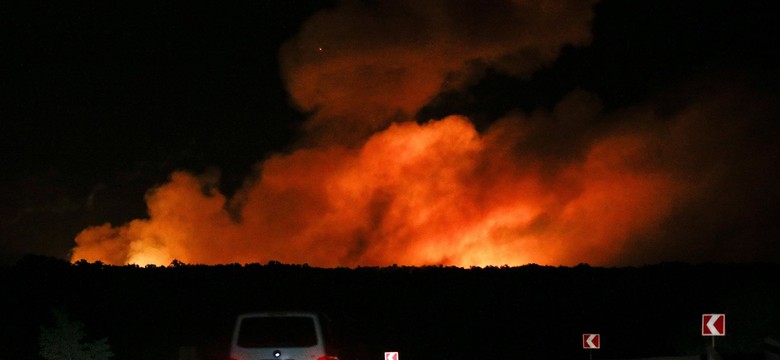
[
  {"x": 570, "y": 185},
  {"x": 443, "y": 193},
  {"x": 363, "y": 65}
]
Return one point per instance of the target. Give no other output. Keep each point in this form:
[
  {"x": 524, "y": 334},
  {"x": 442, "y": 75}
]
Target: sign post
[
  {"x": 591, "y": 342},
  {"x": 713, "y": 325},
  {"x": 391, "y": 355}
]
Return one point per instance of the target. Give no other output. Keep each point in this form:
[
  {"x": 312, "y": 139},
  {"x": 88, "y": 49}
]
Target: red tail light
[{"x": 326, "y": 357}]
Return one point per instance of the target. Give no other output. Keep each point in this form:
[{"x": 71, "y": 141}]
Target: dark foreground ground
[{"x": 527, "y": 312}]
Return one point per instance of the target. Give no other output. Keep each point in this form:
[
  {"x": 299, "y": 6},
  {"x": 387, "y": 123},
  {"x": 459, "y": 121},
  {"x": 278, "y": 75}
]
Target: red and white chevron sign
[
  {"x": 391, "y": 355},
  {"x": 713, "y": 325},
  {"x": 591, "y": 341}
]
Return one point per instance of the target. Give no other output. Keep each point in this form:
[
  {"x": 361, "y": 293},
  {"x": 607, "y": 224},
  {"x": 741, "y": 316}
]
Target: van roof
[{"x": 278, "y": 313}]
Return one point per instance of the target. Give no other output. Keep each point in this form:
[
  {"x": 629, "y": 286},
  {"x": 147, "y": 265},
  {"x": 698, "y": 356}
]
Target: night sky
[{"x": 656, "y": 121}]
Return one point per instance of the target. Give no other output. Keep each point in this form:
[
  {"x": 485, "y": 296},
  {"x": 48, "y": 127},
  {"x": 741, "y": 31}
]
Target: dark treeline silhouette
[{"x": 526, "y": 312}]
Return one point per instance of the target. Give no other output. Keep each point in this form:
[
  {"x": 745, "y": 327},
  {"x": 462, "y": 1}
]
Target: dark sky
[{"x": 103, "y": 101}]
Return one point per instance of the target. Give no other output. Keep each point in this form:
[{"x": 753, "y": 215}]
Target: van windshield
[{"x": 282, "y": 331}]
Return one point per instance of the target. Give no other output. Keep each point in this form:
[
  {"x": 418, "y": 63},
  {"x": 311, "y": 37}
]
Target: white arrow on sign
[
  {"x": 713, "y": 325},
  {"x": 591, "y": 341},
  {"x": 391, "y": 355}
]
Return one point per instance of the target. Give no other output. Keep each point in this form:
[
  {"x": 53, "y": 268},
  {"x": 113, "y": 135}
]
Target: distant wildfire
[{"x": 368, "y": 186}]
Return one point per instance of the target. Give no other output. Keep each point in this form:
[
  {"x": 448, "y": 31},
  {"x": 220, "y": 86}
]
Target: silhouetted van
[{"x": 279, "y": 335}]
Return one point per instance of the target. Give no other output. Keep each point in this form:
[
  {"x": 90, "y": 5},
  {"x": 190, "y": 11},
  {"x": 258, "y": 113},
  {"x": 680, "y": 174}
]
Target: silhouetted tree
[{"x": 64, "y": 341}]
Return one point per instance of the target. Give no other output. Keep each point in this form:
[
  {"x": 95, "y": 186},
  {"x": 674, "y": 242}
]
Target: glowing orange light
[{"x": 437, "y": 193}]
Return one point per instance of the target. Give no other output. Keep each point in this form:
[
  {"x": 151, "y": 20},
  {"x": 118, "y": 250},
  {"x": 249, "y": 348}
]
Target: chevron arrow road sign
[
  {"x": 713, "y": 325},
  {"x": 591, "y": 341}
]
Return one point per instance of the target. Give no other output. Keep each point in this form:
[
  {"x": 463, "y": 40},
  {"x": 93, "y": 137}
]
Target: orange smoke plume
[
  {"x": 437, "y": 193},
  {"x": 369, "y": 187}
]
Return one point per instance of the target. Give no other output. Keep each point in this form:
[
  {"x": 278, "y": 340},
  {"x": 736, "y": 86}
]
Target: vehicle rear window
[{"x": 286, "y": 331}]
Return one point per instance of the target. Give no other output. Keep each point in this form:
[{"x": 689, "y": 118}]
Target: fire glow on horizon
[
  {"x": 369, "y": 187},
  {"x": 438, "y": 193}
]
